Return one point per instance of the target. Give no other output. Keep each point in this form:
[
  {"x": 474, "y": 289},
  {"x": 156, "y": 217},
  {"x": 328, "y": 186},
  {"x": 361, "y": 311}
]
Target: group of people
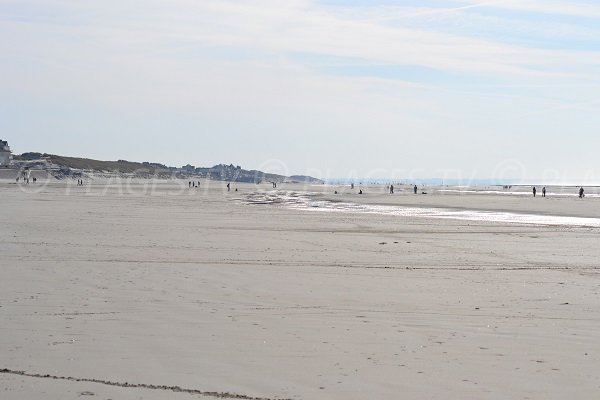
[
  {"x": 543, "y": 191},
  {"x": 390, "y": 188},
  {"x": 79, "y": 182},
  {"x": 192, "y": 184},
  {"x": 415, "y": 188},
  {"x": 26, "y": 180},
  {"x": 229, "y": 187},
  {"x": 581, "y": 192}
]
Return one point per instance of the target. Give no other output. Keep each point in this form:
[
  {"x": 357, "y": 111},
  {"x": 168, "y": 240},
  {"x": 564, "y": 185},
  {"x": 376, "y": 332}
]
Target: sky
[{"x": 335, "y": 89}]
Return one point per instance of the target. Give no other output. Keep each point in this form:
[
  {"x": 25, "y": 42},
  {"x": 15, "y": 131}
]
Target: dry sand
[{"x": 198, "y": 290}]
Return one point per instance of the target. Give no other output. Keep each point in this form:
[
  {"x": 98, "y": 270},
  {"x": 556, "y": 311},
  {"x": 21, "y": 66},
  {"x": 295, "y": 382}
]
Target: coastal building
[
  {"x": 188, "y": 169},
  {"x": 5, "y": 154}
]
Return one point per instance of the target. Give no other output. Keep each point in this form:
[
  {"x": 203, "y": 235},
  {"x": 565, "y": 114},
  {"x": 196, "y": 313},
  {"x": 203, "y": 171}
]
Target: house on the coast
[
  {"x": 189, "y": 169},
  {"x": 5, "y": 154}
]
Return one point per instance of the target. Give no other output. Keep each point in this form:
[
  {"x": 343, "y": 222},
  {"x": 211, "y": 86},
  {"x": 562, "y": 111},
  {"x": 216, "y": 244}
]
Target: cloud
[
  {"x": 227, "y": 56},
  {"x": 300, "y": 27},
  {"x": 270, "y": 67},
  {"x": 574, "y": 8}
]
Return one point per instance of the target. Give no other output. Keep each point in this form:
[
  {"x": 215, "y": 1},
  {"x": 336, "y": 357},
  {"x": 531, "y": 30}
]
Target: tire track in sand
[{"x": 176, "y": 389}]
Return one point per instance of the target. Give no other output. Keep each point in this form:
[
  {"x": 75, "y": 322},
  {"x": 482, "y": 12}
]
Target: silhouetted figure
[
  {"x": 228, "y": 189},
  {"x": 391, "y": 189},
  {"x": 189, "y": 184},
  {"x": 544, "y": 191},
  {"x": 360, "y": 191},
  {"x": 352, "y": 186},
  {"x": 581, "y": 195},
  {"x": 34, "y": 180},
  {"x": 415, "y": 189},
  {"x": 335, "y": 192},
  {"x": 534, "y": 191},
  {"x": 236, "y": 189}
]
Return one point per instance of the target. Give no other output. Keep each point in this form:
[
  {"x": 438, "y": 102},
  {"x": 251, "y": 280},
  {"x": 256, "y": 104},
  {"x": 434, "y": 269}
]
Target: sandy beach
[{"x": 157, "y": 291}]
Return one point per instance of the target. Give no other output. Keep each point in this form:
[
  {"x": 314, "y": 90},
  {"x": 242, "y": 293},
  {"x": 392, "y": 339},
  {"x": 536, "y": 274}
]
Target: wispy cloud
[
  {"x": 574, "y": 8},
  {"x": 304, "y": 27},
  {"x": 458, "y": 67}
]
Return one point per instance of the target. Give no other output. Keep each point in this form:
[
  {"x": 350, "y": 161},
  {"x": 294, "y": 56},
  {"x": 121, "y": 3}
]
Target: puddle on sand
[{"x": 310, "y": 201}]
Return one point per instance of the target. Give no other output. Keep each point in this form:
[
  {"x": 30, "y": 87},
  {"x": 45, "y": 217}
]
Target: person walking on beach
[
  {"x": 228, "y": 188},
  {"x": 581, "y": 195},
  {"x": 415, "y": 189},
  {"x": 534, "y": 191},
  {"x": 391, "y": 189},
  {"x": 544, "y": 191}
]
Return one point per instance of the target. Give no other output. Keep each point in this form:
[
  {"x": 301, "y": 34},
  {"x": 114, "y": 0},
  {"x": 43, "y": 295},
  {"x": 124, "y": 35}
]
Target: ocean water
[
  {"x": 554, "y": 193},
  {"x": 470, "y": 183},
  {"x": 311, "y": 202}
]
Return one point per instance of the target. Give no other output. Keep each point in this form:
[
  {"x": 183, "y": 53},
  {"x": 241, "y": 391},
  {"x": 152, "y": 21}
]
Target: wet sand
[{"x": 167, "y": 293}]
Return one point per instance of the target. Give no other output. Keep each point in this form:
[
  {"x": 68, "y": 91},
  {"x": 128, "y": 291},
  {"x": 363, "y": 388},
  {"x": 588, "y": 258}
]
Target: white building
[{"x": 5, "y": 154}]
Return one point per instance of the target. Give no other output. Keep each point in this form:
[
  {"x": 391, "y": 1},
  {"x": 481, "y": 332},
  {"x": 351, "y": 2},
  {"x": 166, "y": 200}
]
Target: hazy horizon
[
  {"x": 457, "y": 89},
  {"x": 404, "y": 176}
]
